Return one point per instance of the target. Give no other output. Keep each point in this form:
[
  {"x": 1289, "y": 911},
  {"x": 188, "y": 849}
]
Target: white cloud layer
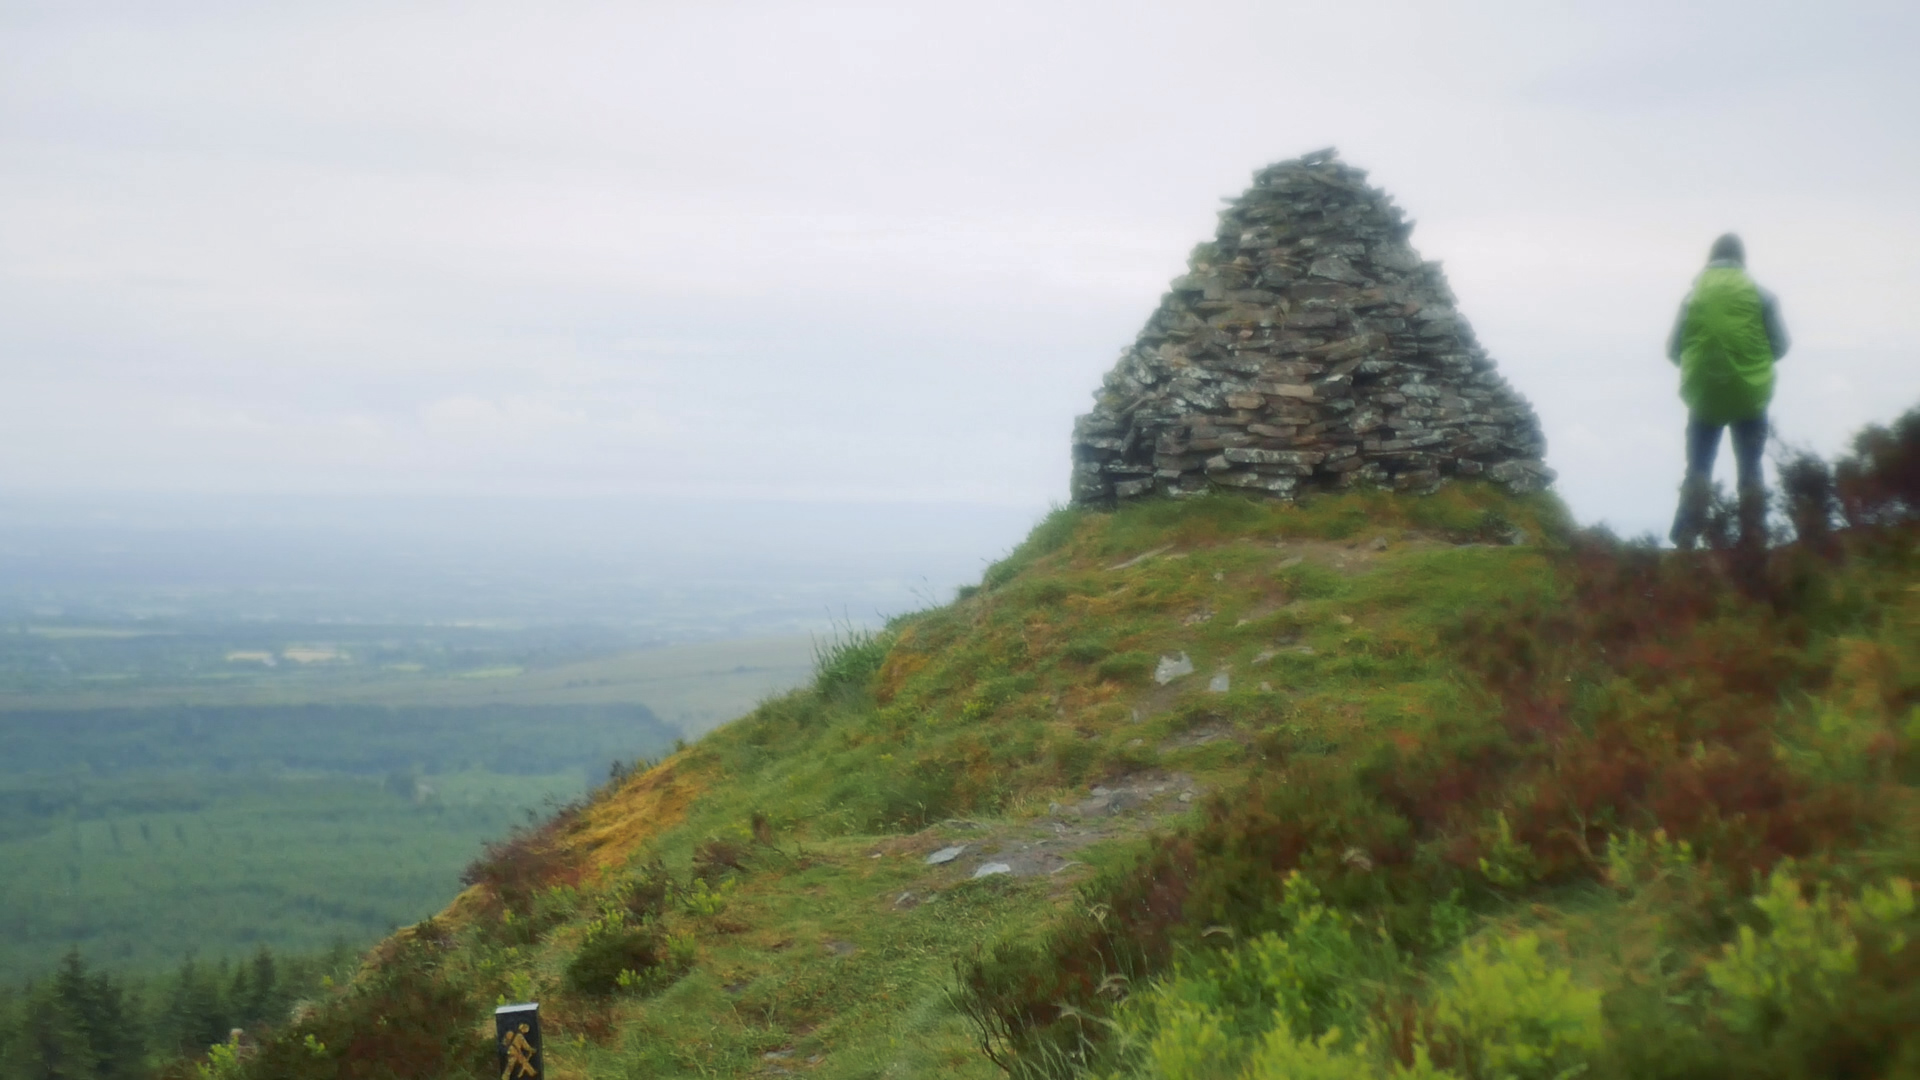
[{"x": 879, "y": 251}]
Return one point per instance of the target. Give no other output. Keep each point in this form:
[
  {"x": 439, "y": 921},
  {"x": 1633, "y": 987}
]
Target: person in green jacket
[{"x": 1725, "y": 342}]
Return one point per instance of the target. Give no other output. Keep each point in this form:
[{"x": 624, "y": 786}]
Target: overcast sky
[{"x": 879, "y": 252}]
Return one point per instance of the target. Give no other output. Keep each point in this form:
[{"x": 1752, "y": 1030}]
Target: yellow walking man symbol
[{"x": 519, "y": 1054}]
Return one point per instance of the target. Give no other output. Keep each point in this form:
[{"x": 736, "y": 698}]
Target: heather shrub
[
  {"x": 716, "y": 857},
  {"x": 647, "y": 894},
  {"x": 530, "y": 861},
  {"x": 407, "y": 1015}
]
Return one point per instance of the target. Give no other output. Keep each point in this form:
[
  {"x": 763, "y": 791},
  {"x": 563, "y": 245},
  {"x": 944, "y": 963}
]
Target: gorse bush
[
  {"x": 1505, "y": 1011},
  {"x": 1333, "y": 1056},
  {"x": 1305, "y": 1002},
  {"x": 1316, "y": 977},
  {"x": 1820, "y": 982}
]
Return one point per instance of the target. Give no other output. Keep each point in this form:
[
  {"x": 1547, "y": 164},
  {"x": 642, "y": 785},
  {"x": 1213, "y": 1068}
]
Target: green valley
[
  {"x": 318, "y": 805},
  {"x": 143, "y": 835}
]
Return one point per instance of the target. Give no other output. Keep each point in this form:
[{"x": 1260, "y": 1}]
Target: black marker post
[{"x": 516, "y": 1031}]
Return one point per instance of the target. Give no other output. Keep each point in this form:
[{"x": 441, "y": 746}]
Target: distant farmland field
[
  {"x": 692, "y": 687},
  {"x": 302, "y": 804}
]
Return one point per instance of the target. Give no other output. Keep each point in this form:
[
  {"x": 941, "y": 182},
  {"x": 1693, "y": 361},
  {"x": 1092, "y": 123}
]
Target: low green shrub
[
  {"x": 1130, "y": 668},
  {"x": 1310, "y": 979},
  {"x": 1504, "y": 1012},
  {"x": 1809, "y": 957},
  {"x": 1333, "y": 1056},
  {"x": 612, "y": 949},
  {"x": 1087, "y": 650}
]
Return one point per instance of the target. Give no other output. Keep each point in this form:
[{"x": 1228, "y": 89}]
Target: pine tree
[
  {"x": 266, "y": 1000},
  {"x": 194, "y": 1017},
  {"x": 50, "y": 1043},
  {"x": 99, "y": 1006}
]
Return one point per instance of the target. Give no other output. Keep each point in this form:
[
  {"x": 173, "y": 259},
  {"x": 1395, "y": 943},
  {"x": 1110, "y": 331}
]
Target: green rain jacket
[{"x": 1726, "y": 339}]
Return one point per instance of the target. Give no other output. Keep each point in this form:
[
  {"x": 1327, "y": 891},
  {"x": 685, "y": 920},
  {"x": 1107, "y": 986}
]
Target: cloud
[{"x": 467, "y": 417}]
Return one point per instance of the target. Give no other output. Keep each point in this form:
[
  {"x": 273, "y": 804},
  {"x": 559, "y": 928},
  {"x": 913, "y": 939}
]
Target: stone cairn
[{"x": 1308, "y": 347}]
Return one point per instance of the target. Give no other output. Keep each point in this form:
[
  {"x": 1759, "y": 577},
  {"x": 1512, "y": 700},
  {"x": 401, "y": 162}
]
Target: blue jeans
[
  {"x": 1703, "y": 445},
  {"x": 1749, "y": 443}
]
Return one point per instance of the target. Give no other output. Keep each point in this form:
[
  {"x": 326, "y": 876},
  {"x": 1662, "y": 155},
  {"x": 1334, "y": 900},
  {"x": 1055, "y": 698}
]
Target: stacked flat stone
[{"x": 1308, "y": 347}]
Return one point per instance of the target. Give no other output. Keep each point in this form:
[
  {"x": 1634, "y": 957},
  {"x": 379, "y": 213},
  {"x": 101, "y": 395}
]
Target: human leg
[
  {"x": 1749, "y": 443},
  {"x": 1703, "y": 445}
]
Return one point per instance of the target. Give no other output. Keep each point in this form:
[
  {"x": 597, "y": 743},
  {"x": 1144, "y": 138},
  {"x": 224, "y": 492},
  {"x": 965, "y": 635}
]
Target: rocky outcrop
[{"x": 1308, "y": 346}]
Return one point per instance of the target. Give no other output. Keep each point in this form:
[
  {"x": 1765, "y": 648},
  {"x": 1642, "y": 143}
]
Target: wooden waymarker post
[{"x": 516, "y": 1031}]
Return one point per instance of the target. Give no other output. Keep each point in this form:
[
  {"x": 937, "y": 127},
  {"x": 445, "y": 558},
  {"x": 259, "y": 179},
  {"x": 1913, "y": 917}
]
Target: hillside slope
[{"x": 1368, "y": 785}]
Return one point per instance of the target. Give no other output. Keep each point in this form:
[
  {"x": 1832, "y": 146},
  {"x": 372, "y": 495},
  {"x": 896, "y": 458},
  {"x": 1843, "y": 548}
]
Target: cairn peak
[{"x": 1308, "y": 346}]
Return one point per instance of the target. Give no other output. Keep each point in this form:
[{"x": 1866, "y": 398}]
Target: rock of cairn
[{"x": 1307, "y": 347}]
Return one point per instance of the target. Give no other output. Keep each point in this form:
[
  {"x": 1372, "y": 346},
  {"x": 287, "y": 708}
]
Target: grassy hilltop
[{"x": 1449, "y": 790}]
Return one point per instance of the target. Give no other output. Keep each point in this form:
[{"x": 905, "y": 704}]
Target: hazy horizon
[{"x": 657, "y": 570}]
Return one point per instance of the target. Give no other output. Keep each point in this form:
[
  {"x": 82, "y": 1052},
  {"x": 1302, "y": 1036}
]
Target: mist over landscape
[{"x": 651, "y": 569}]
